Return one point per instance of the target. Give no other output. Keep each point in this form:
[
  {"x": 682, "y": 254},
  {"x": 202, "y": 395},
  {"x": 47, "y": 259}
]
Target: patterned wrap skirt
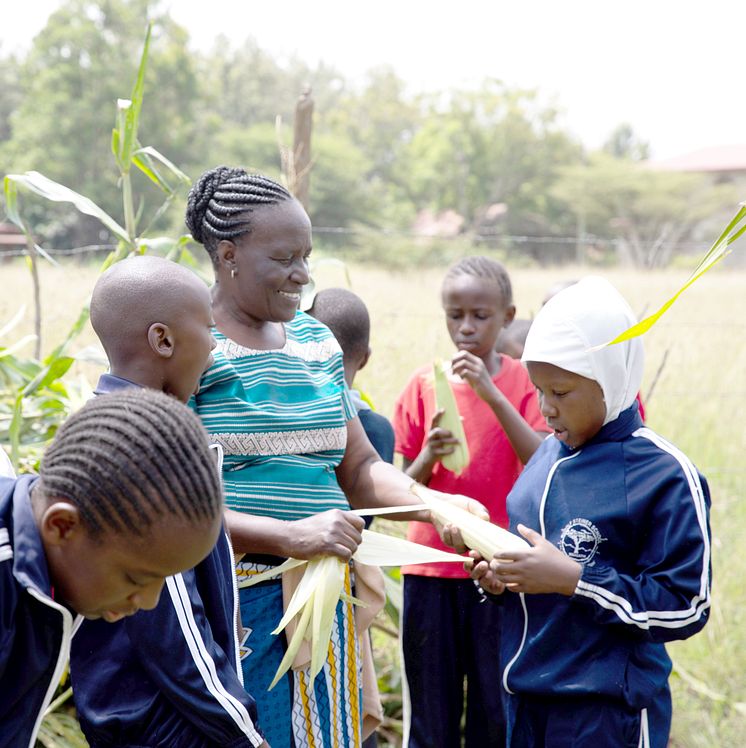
[{"x": 298, "y": 712}]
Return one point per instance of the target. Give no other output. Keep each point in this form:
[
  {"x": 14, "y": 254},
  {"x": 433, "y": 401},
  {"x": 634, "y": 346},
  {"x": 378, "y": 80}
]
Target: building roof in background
[{"x": 720, "y": 158}]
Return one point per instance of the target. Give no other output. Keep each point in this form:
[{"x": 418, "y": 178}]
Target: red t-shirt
[{"x": 493, "y": 465}]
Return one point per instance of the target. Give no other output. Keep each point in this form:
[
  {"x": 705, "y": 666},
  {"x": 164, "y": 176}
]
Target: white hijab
[{"x": 573, "y": 322}]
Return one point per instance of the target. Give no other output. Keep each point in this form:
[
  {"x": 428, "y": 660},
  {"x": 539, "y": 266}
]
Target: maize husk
[
  {"x": 315, "y": 599},
  {"x": 385, "y": 550},
  {"x": 451, "y": 419},
  {"x": 478, "y": 534}
]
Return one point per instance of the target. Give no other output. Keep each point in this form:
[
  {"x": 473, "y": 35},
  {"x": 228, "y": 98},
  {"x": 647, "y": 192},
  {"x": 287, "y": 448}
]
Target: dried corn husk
[
  {"x": 478, "y": 534},
  {"x": 314, "y": 601},
  {"x": 451, "y": 419}
]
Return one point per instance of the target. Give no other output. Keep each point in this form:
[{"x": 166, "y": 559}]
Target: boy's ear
[
  {"x": 161, "y": 340},
  {"x": 509, "y": 315},
  {"x": 59, "y": 522},
  {"x": 364, "y": 359}
]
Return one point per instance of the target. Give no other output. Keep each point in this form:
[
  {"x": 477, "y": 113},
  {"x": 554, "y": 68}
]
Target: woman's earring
[{"x": 233, "y": 272}]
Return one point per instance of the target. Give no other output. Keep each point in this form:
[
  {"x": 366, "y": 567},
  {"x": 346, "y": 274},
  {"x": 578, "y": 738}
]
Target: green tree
[
  {"x": 650, "y": 213},
  {"x": 490, "y": 145},
  {"x": 625, "y": 143},
  {"x": 78, "y": 64}
]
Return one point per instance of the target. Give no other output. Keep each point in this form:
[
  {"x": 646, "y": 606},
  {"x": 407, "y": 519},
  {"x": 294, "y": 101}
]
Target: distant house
[
  {"x": 724, "y": 162},
  {"x": 11, "y": 241}
]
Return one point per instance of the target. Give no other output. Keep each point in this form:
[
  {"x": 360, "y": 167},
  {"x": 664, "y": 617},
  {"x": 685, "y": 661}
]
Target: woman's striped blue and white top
[{"x": 280, "y": 416}]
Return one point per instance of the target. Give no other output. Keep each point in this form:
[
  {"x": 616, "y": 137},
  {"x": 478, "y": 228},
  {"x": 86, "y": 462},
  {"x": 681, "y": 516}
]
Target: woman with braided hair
[
  {"x": 296, "y": 456},
  {"x": 127, "y": 495}
]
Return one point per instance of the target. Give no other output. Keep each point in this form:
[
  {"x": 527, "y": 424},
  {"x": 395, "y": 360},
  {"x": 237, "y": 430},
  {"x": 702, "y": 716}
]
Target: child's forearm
[
  {"x": 421, "y": 469},
  {"x": 524, "y": 440}
]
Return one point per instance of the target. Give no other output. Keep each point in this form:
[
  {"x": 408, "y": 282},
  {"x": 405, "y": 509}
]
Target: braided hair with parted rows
[
  {"x": 130, "y": 456},
  {"x": 220, "y": 203},
  {"x": 483, "y": 267}
]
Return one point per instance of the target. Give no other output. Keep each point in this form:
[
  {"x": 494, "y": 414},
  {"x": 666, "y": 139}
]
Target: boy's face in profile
[
  {"x": 193, "y": 343},
  {"x": 573, "y": 406},
  {"x": 117, "y": 574},
  {"x": 475, "y": 313}
]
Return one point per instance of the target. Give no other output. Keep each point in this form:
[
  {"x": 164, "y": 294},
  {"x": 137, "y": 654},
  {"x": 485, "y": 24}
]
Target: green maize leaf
[
  {"x": 56, "y": 192},
  {"x": 131, "y": 114},
  {"x": 54, "y": 370},
  {"x": 717, "y": 251},
  {"x": 75, "y": 330},
  {"x": 451, "y": 419},
  {"x": 151, "y": 153}
]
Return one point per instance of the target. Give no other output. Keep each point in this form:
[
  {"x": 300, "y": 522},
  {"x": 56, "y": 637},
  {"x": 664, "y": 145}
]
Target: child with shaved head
[{"x": 168, "y": 677}]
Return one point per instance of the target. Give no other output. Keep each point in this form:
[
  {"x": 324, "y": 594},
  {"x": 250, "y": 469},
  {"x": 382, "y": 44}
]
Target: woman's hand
[
  {"x": 540, "y": 569},
  {"x": 330, "y": 533}
]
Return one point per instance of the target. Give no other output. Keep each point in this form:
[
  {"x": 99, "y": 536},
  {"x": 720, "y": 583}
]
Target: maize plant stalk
[
  {"x": 314, "y": 602},
  {"x": 451, "y": 419},
  {"x": 478, "y": 534}
]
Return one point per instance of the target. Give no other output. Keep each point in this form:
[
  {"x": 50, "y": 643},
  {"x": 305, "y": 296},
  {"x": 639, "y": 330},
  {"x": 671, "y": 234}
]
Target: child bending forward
[{"x": 620, "y": 556}]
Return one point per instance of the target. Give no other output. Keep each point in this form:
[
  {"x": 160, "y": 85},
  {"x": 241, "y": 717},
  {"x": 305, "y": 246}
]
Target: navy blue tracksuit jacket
[
  {"x": 634, "y": 511},
  {"x": 35, "y": 631},
  {"x": 168, "y": 677}
]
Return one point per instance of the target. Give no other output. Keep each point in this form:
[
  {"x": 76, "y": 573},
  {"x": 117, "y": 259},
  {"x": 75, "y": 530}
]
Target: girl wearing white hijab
[{"x": 618, "y": 524}]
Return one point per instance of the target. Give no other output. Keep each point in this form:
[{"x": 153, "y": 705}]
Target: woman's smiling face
[
  {"x": 271, "y": 262},
  {"x": 573, "y": 406}
]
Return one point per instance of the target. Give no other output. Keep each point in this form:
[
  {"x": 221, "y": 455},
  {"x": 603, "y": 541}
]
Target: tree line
[{"x": 494, "y": 155}]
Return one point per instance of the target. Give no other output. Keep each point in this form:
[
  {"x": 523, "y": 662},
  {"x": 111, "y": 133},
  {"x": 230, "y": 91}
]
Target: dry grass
[{"x": 697, "y": 403}]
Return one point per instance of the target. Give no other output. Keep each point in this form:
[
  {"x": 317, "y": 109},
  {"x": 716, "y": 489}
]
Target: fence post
[{"x": 302, "y": 146}]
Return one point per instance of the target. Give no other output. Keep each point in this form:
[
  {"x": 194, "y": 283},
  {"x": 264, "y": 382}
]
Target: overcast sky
[{"x": 674, "y": 70}]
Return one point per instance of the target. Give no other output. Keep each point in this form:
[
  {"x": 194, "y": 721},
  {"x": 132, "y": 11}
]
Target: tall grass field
[{"x": 694, "y": 391}]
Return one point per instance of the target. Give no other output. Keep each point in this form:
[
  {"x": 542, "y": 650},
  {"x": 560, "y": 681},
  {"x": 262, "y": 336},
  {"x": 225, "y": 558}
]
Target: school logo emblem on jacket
[{"x": 580, "y": 539}]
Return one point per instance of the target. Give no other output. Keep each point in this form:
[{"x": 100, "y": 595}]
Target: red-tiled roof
[{"x": 720, "y": 158}]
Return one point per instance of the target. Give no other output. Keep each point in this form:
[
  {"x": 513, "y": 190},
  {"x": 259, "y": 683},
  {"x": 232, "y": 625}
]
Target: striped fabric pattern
[{"x": 280, "y": 417}]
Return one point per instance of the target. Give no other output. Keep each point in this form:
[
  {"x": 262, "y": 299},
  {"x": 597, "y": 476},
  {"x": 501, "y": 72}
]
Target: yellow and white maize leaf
[
  {"x": 451, "y": 419},
  {"x": 378, "y": 549},
  {"x": 326, "y": 597},
  {"x": 312, "y": 577},
  {"x": 478, "y": 534},
  {"x": 293, "y": 645},
  {"x": 262, "y": 576}
]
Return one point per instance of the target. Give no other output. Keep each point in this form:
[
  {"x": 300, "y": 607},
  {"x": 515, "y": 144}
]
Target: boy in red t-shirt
[{"x": 447, "y": 636}]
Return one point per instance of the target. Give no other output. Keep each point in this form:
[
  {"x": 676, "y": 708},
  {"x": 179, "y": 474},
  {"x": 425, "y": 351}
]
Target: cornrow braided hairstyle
[
  {"x": 128, "y": 457},
  {"x": 221, "y": 201},
  {"x": 484, "y": 267}
]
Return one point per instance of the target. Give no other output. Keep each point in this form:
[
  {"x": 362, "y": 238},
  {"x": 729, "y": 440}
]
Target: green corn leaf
[
  {"x": 717, "y": 251},
  {"x": 130, "y": 114},
  {"x": 148, "y": 152},
  {"x": 51, "y": 190}
]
